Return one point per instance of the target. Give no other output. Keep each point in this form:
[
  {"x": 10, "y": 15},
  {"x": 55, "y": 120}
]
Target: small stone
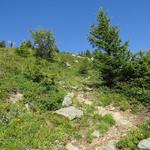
[
  {"x": 76, "y": 61},
  {"x": 111, "y": 108},
  {"x": 88, "y": 89},
  {"x": 74, "y": 87},
  {"x": 67, "y": 101},
  {"x": 92, "y": 58},
  {"x": 29, "y": 107},
  {"x": 111, "y": 145},
  {"x": 71, "y": 94},
  {"x": 68, "y": 65},
  {"x": 144, "y": 144},
  {"x": 69, "y": 146},
  {"x": 96, "y": 134}
]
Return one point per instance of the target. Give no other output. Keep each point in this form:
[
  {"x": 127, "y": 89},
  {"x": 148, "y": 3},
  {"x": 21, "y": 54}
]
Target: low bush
[
  {"x": 24, "y": 52},
  {"x": 84, "y": 67}
]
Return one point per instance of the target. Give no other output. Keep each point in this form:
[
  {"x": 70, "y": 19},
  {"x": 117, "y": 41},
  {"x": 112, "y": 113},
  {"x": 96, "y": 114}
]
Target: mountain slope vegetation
[{"x": 109, "y": 86}]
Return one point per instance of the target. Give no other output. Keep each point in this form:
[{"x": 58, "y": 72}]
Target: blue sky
[{"x": 70, "y": 20}]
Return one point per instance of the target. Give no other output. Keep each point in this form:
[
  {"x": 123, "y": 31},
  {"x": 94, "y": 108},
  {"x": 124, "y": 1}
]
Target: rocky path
[{"x": 125, "y": 120}]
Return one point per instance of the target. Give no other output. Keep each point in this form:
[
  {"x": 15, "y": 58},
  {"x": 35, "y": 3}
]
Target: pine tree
[
  {"x": 112, "y": 52},
  {"x": 87, "y": 53}
]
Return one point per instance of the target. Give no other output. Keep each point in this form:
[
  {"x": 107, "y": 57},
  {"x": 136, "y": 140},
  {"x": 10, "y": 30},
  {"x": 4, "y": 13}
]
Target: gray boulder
[
  {"x": 70, "y": 112},
  {"x": 69, "y": 146},
  {"x": 144, "y": 144},
  {"x": 67, "y": 100},
  {"x": 111, "y": 145}
]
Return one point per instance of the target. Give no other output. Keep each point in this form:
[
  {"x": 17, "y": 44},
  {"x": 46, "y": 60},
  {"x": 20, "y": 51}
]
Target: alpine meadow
[{"x": 52, "y": 99}]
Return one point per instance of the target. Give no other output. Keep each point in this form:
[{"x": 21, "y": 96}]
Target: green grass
[
  {"x": 35, "y": 131},
  {"x": 134, "y": 136},
  {"x": 44, "y": 84},
  {"x": 105, "y": 97},
  {"x": 92, "y": 121}
]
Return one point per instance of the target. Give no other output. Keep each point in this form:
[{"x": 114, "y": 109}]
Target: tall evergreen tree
[
  {"x": 113, "y": 53},
  {"x": 87, "y": 53}
]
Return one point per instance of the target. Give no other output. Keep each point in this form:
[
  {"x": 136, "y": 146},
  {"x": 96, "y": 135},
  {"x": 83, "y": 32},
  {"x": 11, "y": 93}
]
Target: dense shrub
[
  {"x": 133, "y": 92},
  {"x": 45, "y": 46},
  {"x": 84, "y": 67},
  {"x": 24, "y": 52},
  {"x": 26, "y": 44}
]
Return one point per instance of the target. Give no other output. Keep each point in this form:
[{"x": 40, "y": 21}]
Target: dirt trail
[{"x": 125, "y": 120}]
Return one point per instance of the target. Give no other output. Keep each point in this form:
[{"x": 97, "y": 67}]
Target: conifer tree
[{"x": 113, "y": 53}]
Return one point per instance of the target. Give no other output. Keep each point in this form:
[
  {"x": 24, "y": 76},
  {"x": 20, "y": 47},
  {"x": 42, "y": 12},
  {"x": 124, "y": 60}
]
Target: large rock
[
  {"x": 67, "y": 100},
  {"x": 70, "y": 112},
  {"x": 144, "y": 144},
  {"x": 69, "y": 146}
]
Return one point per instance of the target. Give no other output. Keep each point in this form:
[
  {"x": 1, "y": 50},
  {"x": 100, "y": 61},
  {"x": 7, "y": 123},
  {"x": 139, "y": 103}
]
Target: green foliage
[
  {"x": 26, "y": 44},
  {"x": 84, "y": 67},
  {"x": 88, "y": 53},
  {"x": 25, "y": 49},
  {"x": 28, "y": 130},
  {"x": 45, "y": 46},
  {"x": 101, "y": 124},
  {"x": 2, "y": 44},
  {"x": 137, "y": 71},
  {"x": 105, "y": 97},
  {"x": 134, "y": 136},
  {"x": 119, "y": 69},
  {"x": 109, "y": 119},
  {"x": 136, "y": 85},
  {"x": 41, "y": 82},
  {"x": 113, "y": 54},
  {"x": 93, "y": 121},
  {"x": 140, "y": 94}
]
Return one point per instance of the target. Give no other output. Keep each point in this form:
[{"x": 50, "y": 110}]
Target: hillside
[{"x": 33, "y": 89}]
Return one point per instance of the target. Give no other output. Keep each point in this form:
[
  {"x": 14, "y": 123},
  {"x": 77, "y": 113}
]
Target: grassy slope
[{"x": 44, "y": 84}]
